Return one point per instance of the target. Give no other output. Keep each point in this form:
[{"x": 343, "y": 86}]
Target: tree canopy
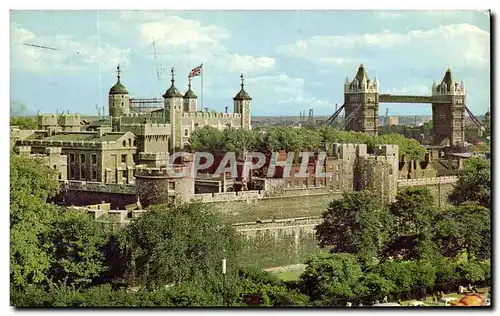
[
  {"x": 474, "y": 183},
  {"x": 293, "y": 140},
  {"x": 23, "y": 122},
  {"x": 355, "y": 224}
]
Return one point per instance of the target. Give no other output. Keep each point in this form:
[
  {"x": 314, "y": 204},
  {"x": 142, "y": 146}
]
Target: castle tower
[
  {"x": 449, "y": 117},
  {"x": 173, "y": 110},
  {"x": 242, "y": 102},
  {"x": 361, "y": 103},
  {"x": 118, "y": 101},
  {"x": 190, "y": 100}
]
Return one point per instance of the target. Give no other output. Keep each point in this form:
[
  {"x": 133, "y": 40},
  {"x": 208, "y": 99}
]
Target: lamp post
[{"x": 224, "y": 279}]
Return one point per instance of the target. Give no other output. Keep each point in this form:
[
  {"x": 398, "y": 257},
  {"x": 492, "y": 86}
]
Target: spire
[
  {"x": 242, "y": 95},
  {"x": 118, "y": 71},
  {"x": 172, "y": 91},
  {"x": 118, "y": 88},
  {"x": 346, "y": 81},
  {"x": 190, "y": 94}
]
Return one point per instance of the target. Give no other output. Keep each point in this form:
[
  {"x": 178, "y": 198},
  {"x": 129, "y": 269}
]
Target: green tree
[
  {"x": 31, "y": 184},
  {"x": 77, "y": 250},
  {"x": 474, "y": 183},
  {"x": 184, "y": 243},
  {"x": 378, "y": 285},
  {"x": 329, "y": 276},
  {"x": 413, "y": 216},
  {"x": 358, "y": 224},
  {"x": 465, "y": 227},
  {"x": 398, "y": 272},
  {"x": 23, "y": 122}
]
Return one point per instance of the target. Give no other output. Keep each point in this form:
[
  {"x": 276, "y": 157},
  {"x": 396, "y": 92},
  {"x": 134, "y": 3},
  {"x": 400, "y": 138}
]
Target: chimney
[
  {"x": 103, "y": 130},
  {"x": 226, "y": 110}
]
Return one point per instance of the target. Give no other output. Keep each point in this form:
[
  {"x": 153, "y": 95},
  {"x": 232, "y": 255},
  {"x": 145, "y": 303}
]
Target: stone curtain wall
[
  {"x": 274, "y": 244},
  {"x": 252, "y": 210}
]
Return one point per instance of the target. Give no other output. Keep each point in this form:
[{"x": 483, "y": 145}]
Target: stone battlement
[
  {"x": 100, "y": 187},
  {"x": 228, "y": 196},
  {"x": 153, "y": 156},
  {"x": 211, "y": 115},
  {"x": 427, "y": 181},
  {"x": 60, "y": 143},
  {"x": 144, "y": 115}
]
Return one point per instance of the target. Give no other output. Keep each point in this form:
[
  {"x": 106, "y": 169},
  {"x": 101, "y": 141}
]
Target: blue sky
[{"x": 293, "y": 60}]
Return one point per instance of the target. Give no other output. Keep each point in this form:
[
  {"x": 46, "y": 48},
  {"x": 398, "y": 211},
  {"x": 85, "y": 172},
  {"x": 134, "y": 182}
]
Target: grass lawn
[{"x": 289, "y": 275}]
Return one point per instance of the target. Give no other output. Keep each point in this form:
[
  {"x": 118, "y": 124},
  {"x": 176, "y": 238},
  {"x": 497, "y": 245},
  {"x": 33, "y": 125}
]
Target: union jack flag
[{"x": 196, "y": 71}]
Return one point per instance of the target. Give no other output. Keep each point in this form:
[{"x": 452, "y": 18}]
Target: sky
[{"x": 292, "y": 60}]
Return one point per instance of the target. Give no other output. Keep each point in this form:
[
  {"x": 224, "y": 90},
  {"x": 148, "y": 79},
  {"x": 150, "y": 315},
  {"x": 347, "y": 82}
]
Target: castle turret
[
  {"x": 190, "y": 99},
  {"x": 118, "y": 100},
  {"x": 242, "y": 102},
  {"x": 173, "y": 109}
]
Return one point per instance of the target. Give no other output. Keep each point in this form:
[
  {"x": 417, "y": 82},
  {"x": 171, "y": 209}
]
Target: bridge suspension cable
[
  {"x": 332, "y": 118},
  {"x": 475, "y": 120},
  {"x": 352, "y": 115}
]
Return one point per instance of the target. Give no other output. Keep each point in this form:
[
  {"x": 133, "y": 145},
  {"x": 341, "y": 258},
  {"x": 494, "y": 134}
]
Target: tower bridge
[{"x": 448, "y": 101}]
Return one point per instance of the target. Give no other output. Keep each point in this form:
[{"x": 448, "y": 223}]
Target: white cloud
[
  {"x": 184, "y": 41},
  {"x": 463, "y": 44},
  {"x": 285, "y": 91},
  {"x": 248, "y": 64},
  {"x": 67, "y": 54}
]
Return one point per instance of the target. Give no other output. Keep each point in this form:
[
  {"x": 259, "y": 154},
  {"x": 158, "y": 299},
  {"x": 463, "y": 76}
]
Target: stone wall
[{"x": 81, "y": 198}]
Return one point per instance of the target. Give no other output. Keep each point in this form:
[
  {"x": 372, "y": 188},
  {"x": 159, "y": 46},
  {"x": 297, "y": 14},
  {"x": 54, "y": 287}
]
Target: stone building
[
  {"x": 169, "y": 129},
  {"x": 98, "y": 156},
  {"x": 52, "y": 158}
]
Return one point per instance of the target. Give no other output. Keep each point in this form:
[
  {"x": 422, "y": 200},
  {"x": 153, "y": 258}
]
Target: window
[
  {"x": 71, "y": 173},
  {"x": 129, "y": 143},
  {"x": 55, "y": 167},
  {"x": 94, "y": 159},
  {"x": 124, "y": 158},
  {"x": 59, "y": 176},
  {"x": 122, "y": 104},
  {"x": 320, "y": 183},
  {"x": 124, "y": 143},
  {"x": 171, "y": 185},
  {"x": 135, "y": 143},
  {"x": 83, "y": 173},
  {"x": 94, "y": 175},
  {"x": 125, "y": 175},
  {"x": 186, "y": 132},
  {"x": 289, "y": 184},
  {"x": 82, "y": 158},
  {"x": 304, "y": 183},
  {"x": 71, "y": 157}
]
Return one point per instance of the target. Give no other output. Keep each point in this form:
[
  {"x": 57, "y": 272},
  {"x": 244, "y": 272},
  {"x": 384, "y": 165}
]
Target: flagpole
[{"x": 201, "y": 70}]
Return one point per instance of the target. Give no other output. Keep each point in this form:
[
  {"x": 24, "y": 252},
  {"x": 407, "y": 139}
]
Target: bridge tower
[
  {"x": 361, "y": 103},
  {"x": 448, "y": 117}
]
